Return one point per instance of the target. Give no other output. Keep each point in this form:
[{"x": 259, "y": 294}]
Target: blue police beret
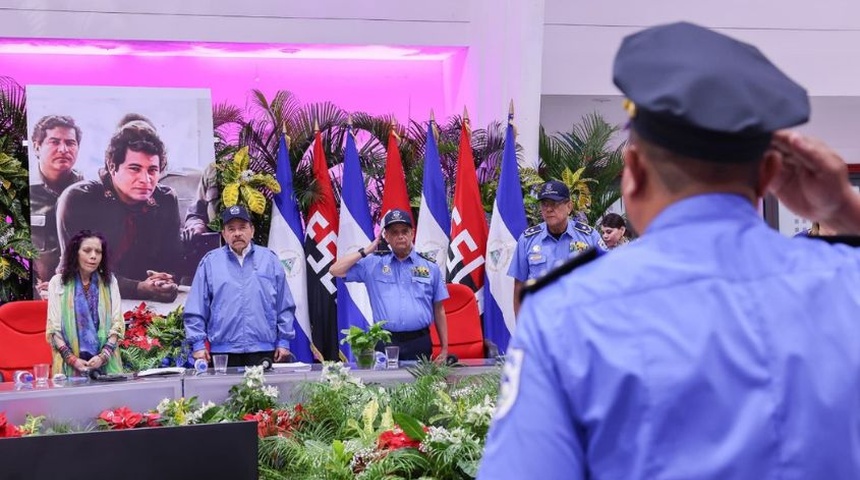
[{"x": 702, "y": 94}]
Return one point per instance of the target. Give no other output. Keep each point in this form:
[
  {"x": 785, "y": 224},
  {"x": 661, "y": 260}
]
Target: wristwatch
[{"x": 361, "y": 252}]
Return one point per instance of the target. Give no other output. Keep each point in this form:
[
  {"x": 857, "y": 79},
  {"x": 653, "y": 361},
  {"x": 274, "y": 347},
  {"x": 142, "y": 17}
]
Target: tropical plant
[
  {"x": 363, "y": 340},
  {"x": 586, "y": 161},
  {"x": 13, "y": 119},
  {"x": 152, "y": 340},
  {"x": 251, "y": 395},
  {"x": 15, "y": 247},
  {"x": 187, "y": 411},
  {"x": 246, "y": 186}
]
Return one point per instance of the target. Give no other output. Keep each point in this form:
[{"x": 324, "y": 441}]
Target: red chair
[
  {"x": 22, "y": 336},
  {"x": 465, "y": 336}
]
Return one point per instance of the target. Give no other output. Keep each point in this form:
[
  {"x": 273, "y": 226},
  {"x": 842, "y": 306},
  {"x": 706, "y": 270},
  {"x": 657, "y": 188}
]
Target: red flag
[
  {"x": 394, "y": 194},
  {"x": 468, "y": 223},
  {"x": 321, "y": 250}
]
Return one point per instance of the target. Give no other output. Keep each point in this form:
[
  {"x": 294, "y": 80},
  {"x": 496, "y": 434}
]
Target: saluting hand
[
  {"x": 813, "y": 179},
  {"x": 373, "y": 245}
]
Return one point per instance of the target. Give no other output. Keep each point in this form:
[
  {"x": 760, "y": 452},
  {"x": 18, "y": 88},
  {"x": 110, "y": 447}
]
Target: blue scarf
[{"x": 87, "y": 315}]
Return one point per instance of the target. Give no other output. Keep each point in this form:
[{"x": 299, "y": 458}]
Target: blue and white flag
[
  {"x": 286, "y": 240},
  {"x": 434, "y": 218},
  {"x": 506, "y": 226},
  {"x": 356, "y": 231}
]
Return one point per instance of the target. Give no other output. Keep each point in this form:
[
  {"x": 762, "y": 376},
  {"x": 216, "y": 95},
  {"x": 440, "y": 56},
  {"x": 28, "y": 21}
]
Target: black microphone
[{"x": 96, "y": 375}]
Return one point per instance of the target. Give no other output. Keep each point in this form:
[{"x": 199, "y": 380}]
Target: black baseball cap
[
  {"x": 554, "y": 190},
  {"x": 396, "y": 216},
  {"x": 234, "y": 212}
]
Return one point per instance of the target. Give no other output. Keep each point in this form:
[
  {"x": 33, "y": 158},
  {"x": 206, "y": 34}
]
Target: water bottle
[
  {"x": 200, "y": 366},
  {"x": 23, "y": 378}
]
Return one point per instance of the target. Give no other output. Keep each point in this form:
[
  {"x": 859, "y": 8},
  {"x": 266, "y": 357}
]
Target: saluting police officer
[
  {"x": 406, "y": 289},
  {"x": 556, "y": 239},
  {"x": 725, "y": 351}
]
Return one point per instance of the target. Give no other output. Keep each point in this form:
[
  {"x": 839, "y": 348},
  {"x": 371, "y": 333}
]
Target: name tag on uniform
[
  {"x": 37, "y": 220},
  {"x": 536, "y": 258}
]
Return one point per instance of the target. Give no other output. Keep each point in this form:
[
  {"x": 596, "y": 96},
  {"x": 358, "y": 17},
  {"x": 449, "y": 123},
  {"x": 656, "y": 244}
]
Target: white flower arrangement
[
  {"x": 480, "y": 415},
  {"x": 271, "y": 391},
  {"x": 254, "y": 376},
  {"x": 337, "y": 375}
]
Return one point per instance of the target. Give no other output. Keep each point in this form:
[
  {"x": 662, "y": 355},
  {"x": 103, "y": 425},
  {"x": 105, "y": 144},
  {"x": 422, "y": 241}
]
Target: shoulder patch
[
  {"x": 535, "y": 284},
  {"x": 425, "y": 256},
  {"x": 582, "y": 227},
  {"x": 531, "y": 231}
]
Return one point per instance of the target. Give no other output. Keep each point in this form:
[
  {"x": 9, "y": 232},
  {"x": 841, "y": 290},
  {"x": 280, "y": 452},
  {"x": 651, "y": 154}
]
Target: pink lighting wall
[{"x": 407, "y": 86}]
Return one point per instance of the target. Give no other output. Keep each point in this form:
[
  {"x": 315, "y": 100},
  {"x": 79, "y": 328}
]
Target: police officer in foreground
[
  {"x": 549, "y": 243},
  {"x": 725, "y": 351},
  {"x": 406, "y": 289}
]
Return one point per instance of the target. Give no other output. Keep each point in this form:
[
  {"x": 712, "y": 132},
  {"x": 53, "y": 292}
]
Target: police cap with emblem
[
  {"x": 554, "y": 190},
  {"x": 396, "y": 216},
  {"x": 234, "y": 212},
  {"x": 704, "y": 95}
]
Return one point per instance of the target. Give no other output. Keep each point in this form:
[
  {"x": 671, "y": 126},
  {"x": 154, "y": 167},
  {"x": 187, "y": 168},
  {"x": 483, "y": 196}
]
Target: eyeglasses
[{"x": 551, "y": 205}]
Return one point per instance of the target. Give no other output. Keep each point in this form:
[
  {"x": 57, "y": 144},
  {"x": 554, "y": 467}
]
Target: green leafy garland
[{"x": 340, "y": 428}]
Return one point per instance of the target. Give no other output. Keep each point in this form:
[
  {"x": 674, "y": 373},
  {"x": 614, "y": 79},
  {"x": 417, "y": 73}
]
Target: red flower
[
  {"x": 123, "y": 418},
  {"x": 275, "y": 422},
  {"x": 396, "y": 439},
  {"x": 152, "y": 419},
  {"x": 7, "y": 430},
  {"x": 133, "y": 419}
]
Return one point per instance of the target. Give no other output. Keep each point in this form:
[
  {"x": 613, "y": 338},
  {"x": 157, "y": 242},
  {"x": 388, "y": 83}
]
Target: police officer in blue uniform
[
  {"x": 406, "y": 289},
  {"x": 549, "y": 243},
  {"x": 725, "y": 351}
]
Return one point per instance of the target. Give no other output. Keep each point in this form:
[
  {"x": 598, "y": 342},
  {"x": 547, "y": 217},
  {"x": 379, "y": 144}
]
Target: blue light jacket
[{"x": 240, "y": 308}]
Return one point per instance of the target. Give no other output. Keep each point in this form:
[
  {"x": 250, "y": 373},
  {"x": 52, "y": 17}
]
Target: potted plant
[{"x": 363, "y": 342}]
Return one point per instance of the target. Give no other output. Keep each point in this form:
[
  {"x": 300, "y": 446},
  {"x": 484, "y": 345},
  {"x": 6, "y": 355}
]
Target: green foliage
[
  {"x": 584, "y": 157},
  {"x": 363, "y": 340},
  {"x": 15, "y": 247},
  {"x": 250, "y": 396},
  {"x": 163, "y": 338}
]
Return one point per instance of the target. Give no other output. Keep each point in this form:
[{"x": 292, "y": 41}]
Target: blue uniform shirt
[
  {"x": 402, "y": 293},
  {"x": 711, "y": 348},
  {"x": 537, "y": 251}
]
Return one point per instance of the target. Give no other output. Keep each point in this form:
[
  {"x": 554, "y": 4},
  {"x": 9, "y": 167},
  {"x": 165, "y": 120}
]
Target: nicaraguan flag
[
  {"x": 506, "y": 226},
  {"x": 434, "y": 220},
  {"x": 285, "y": 239},
  {"x": 356, "y": 231}
]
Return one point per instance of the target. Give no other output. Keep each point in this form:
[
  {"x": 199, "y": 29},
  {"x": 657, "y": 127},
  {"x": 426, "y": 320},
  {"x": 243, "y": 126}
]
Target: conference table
[{"x": 79, "y": 404}]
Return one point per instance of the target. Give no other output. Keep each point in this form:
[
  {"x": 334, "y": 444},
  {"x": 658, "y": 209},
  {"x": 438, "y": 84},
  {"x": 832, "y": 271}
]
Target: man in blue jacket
[
  {"x": 240, "y": 301},
  {"x": 713, "y": 347}
]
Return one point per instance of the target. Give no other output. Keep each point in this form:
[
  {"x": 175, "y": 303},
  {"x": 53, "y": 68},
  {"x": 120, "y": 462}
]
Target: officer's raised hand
[
  {"x": 813, "y": 182},
  {"x": 373, "y": 245},
  {"x": 345, "y": 262}
]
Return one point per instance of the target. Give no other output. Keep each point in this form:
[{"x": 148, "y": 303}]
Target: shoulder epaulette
[
  {"x": 535, "y": 284},
  {"x": 850, "y": 240},
  {"x": 532, "y": 231},
  {"x": 582, "y": 227},
  {"x": 425, "y": 256}
]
